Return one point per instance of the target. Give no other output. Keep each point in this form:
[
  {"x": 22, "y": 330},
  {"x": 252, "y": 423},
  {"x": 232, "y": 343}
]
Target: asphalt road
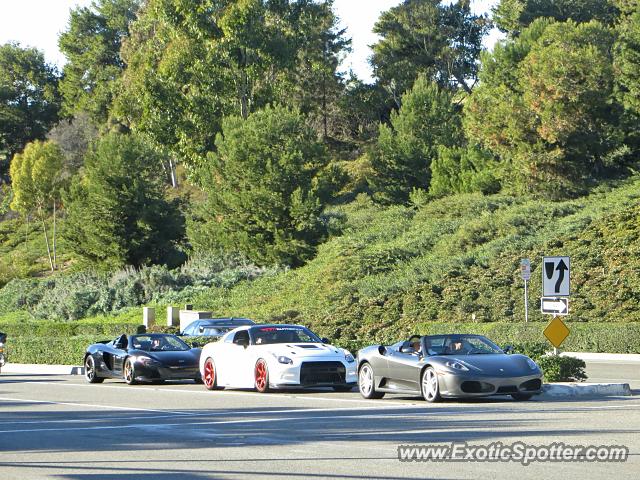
[{"x": 62, "y": 428}]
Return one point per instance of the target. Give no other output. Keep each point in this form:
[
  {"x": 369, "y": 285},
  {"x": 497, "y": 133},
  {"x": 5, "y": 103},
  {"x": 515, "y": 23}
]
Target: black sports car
[
  {"x": 150, "y": 357},
  {"x": 453, "y": 366}
]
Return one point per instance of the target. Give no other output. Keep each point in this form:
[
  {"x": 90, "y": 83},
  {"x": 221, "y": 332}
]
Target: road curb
[
  {"x": 603, "y": 357},
  {"x": 37, "y": 369},
  {"x": 556, "y": 390}
]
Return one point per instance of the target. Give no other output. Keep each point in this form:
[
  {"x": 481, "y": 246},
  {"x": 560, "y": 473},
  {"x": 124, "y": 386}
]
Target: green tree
[
  {"x": 116, "y": 212},
  {"x": 260, "y": 186},
  {"x": 29, "y": 100},
  {"x": 37, "y": 182},
  {"x": 463, "y": 170},
  {"x": 74, "y": 136},
  {"x": 513, "y": 16},
  {"x": 92, "y": 45},
  {"x": 440, "y": 40},
  {"x": 190, "y": 63},
  {"x": 627, "y": 57},
  {"x": 314, "y": 85},
  {"x": 402, "y": 157},
  {"x": 546, "y": 107}
]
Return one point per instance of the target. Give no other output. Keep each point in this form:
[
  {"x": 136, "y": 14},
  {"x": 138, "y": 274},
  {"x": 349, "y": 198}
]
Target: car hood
[
  {"x": 491, "y": 364},
  {"x": 302, "y": 350}
]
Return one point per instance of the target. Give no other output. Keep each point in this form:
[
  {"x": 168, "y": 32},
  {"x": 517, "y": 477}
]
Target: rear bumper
[{"x": 457, "y": 386}]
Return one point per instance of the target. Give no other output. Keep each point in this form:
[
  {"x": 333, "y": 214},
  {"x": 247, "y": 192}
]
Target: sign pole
[
  {"x": 555, "y": 349},
  {"x": 526, "y": 302}
]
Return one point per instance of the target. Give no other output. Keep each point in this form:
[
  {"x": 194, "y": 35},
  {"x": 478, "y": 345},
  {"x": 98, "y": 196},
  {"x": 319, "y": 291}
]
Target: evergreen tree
[
  {"x": 116, "y": 212},
  {"x": 405, "y": 150},
  {"x": 260, "y": 184},
  {"x": 29, "y": 100}
]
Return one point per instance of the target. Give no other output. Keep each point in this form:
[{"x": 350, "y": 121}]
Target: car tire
[
  {"x": 128, "y": 372},
  {"x": 90, "y": 373},
  {"x": 521, "y": 397},
  {"x": 261, "y": 375},
  {"x": 429, "y": 385},
  {"x": 366, "y": 382},
  {"x": 210, "y": 378}
]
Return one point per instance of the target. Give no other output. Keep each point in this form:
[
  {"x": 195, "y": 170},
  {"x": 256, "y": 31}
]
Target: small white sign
[
  {"x": 554, "y": 306},
  {"x": 525, "y": 268},
  {"x": 555, "y": 276}
]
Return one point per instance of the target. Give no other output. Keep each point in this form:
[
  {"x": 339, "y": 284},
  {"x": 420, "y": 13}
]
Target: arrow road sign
[
  {"x": 555, "y": 276},
  {"x": 554, "y": 306}
]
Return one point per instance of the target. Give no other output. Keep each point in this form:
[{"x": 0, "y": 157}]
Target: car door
[
  {"x": 119, "y": 353},
  {"x": 235, "y": 368},
  {"x": 403, "y": 370}
]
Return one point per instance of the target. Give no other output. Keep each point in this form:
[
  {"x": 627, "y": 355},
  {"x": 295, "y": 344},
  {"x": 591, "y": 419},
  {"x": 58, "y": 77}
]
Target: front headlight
[
  {"x": 349, "y": 358},
  {"x": 148, "y": 361},
  {"x": 285, "y": 360},
  {"x": 456, "y": 366},
  {"x": 532, "y": 365}
]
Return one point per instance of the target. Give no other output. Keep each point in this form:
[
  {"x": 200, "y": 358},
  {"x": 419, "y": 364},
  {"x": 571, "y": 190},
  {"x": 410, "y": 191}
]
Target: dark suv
[{"x": 214, "y": 327}]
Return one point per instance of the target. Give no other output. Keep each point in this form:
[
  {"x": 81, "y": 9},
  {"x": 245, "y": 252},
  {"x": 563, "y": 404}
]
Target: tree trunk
[
  {"x": 46, "y": 238},
  {"x": 55, "y": 263},
  {"x": 172, "y": 171}
]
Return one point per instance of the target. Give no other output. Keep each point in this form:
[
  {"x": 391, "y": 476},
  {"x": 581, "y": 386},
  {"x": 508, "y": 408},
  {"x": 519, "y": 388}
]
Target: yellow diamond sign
[{"x": 556, "y": 332}]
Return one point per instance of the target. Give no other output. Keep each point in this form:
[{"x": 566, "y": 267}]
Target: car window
[
  {"x": 270, "y": 335},
  {"x": 241, "y": 336},
  {"x": 159, "y": 343}
]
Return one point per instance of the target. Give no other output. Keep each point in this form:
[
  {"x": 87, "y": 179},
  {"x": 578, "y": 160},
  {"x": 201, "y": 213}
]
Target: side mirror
[
  {"x": 508, "y": 349},
  {"x": 244, "y": 342},
  {"x": 325, "y": 340}
]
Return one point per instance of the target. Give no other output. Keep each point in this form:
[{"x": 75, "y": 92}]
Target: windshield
[
  {"x": 460, "y": 345},
  {"x": 269, "y": 335},
  {"x": 159, "y": 343}
]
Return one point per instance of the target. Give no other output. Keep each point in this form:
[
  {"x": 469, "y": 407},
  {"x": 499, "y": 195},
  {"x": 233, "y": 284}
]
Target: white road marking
[
  {"x": 221, "y": 422},
  {"x": 298, "y": 396},
  {"x": 108, "y": 407}
]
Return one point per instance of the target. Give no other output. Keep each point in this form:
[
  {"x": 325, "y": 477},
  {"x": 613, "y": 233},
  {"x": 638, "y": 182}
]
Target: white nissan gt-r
[{"x": 273, "y": 357}]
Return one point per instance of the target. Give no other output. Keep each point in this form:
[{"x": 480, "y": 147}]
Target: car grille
[{"x": 313, "y": 373}]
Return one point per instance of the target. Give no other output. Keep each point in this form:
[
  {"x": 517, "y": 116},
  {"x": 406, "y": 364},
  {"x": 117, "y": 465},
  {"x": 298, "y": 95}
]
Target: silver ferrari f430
[{"x": 446, "y": 366}]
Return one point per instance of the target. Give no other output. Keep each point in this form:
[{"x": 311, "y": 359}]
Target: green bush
[
  {"x": 562, "y": 369},
  {"x": 62, "y": 330},
  {"x": 554, "y": 367}
]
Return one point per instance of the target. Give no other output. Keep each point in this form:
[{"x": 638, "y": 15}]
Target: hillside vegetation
[
  {"x": 456, "y": 260},
  {"x": 386, "y": 271}
]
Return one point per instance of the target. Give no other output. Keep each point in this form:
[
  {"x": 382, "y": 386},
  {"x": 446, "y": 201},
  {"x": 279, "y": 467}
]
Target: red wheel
[
  {"x": 262, "y": 376},
  {"x": 210, "y": 379}
]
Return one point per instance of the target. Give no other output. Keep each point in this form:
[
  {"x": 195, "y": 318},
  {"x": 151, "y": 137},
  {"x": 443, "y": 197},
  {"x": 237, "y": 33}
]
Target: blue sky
[{"x": 38, "y": 23}]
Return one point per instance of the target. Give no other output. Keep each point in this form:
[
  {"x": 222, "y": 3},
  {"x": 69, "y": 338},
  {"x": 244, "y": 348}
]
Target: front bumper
[
  {"x": 314, "y": 373},
  {"x": 149, "y": 373},
  {"x": 456, "y": 385}
]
